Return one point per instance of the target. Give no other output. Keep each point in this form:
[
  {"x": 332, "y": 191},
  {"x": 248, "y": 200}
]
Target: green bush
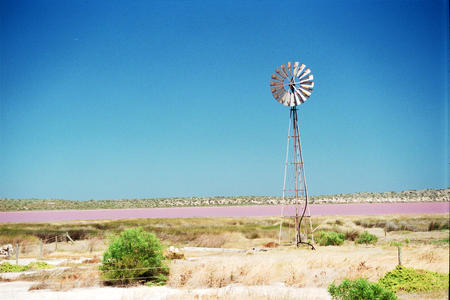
[
  {"x": 412, "y": 280},
  {"x": 330, "y": 238},
  {"x": 359, "y": 289},
  {"x": 134, "y": 256},
  {"x": 7, "y": 267},
  {"x": 366, "y": 238}
]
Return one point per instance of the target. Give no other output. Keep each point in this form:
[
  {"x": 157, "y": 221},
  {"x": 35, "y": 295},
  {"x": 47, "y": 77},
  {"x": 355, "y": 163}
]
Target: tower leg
[
  {"x": 297, "y": 228},
  {"x": 300, "y": 194}
]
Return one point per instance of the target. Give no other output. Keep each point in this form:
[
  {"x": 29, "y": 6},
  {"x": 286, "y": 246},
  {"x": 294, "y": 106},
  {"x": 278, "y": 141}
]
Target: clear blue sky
[{"x": 131, "y": 99}]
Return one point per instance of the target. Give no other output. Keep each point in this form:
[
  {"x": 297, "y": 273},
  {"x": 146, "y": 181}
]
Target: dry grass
[
  {"x": 434, "y": 295},
  {"x": 294, "y": 269},
  {"x": 206, "y": 231},
  {"x": 210, "y": 240},
  {"x": 81, "y": 248},
  {"x": 303, "y": 268},
  {"x": 252, "y": 293},
  {"x": 63, "y": 280}
]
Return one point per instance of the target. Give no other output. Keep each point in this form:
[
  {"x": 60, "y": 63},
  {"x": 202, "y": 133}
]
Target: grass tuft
[
  {"x": 330, "y": 238},
  {"x": 366, "y": 238}
]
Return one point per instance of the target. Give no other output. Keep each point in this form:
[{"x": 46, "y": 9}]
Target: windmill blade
[
  {"x": 302, "y": 93},
  {"x": 306, "y": 83},
  {"x": 275, "y": 83},
  {"x": 308, "y": 87},
  {"x": 283, "y": 68},
  {"x": 297, "y": 98},
  {"x": 285, "y": 99},
  {"x": 300, "y": 70},
  {"x": 278, "y": 94},
  {"x": 306, "y": 72},
  {"x": 305, "y": 92},
  {"x": 301, "y": 97},
  {"x": 309, "y": 78},
  {"x": 276, "y": 77},
  {"x": 292, "y": 99},
  {"x": 295, "y": 68},
  {"x": 309, "y": 84},
  {"x": 281, "y": 73},
  {"x": 275, "y": 88},
  {"x": 289, "y": 66}
]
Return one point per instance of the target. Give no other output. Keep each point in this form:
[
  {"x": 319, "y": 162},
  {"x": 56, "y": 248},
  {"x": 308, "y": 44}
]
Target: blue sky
[{"x": 118, "y": 99}]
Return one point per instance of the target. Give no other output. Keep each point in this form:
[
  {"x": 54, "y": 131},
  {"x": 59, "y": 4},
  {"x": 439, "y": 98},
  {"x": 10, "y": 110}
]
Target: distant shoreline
[{"x": 411, "y": 196}]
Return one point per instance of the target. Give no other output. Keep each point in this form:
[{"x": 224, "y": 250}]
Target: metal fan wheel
[{"x": 292, "y": 84}]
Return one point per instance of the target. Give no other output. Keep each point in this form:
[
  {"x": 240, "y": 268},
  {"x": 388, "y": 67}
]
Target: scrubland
[
  {"x": 225, "y": 258},
  {"x": 428, "y": 195}
]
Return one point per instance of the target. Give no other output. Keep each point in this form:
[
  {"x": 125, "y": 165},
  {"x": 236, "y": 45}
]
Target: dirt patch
[{"x": 271, "y": 245}]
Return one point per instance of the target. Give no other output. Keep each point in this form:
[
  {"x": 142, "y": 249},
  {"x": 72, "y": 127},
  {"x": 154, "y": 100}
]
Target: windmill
[{"x": 291, "y": 85}]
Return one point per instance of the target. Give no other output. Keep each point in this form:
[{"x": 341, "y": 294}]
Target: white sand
[{"x": 18, "y": 290}]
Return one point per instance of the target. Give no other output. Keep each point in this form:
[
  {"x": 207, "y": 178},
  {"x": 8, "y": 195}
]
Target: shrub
[
  {"x": 434, "y": 225},
  {"x": 7, "y": 267},
  {"x": 134, "y": 256},
  {"x": 359, "y": 289},
  {"x": 253, "y": 235},
  {"x": 412, "y": 280},
  {"x": 330, "y": 238},
  {"x": 366, "y": 238}
]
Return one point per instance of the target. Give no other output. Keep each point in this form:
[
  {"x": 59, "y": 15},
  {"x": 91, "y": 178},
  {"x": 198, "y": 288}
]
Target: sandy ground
[{"x": 18, "y": 290}]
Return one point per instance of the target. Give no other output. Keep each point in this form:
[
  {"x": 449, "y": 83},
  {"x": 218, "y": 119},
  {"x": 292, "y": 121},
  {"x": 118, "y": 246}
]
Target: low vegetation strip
[
  {"x": 428, "y": 195},
  {"x": 221, "y": 232},
  {"x": 359, "y": 289},
  {"x": 8, "y": 267}
]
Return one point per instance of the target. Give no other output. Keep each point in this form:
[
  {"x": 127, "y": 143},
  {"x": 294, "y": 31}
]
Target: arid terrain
[{"x": 226, "y": 258}]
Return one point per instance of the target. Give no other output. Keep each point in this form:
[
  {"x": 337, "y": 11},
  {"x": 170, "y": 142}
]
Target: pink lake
[{"x": 226, "y": 211}]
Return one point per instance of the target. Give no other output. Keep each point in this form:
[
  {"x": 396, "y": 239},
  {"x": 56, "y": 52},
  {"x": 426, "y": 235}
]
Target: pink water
[{"x": 226, "y": 211}]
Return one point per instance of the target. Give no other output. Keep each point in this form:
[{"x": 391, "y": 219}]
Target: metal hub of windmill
[{"x": 292, "y": 85}]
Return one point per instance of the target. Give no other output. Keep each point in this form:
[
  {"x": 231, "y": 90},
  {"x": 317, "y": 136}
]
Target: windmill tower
[{"x": 291, "y": 85}]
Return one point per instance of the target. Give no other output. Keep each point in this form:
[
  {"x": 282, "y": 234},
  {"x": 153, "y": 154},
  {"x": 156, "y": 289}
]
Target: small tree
[{"x": 134, "y": 256}]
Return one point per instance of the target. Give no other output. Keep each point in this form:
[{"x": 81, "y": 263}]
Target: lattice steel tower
[{"x": 291, "y": 85}]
